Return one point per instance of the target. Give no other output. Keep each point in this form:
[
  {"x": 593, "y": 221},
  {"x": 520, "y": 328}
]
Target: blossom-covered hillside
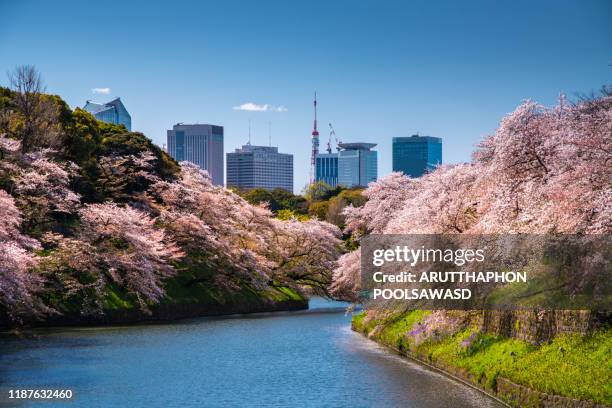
[{"x": 97, "y": 218}]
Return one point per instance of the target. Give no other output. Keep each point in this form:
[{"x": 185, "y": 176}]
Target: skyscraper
[
  {"x": 259, "y": 167},
  {"x": 416, "y": 155},
  {"x": 327, "y": 168},
  {"x": 199, "y": 144},
  {"x": 110, "y": 112},
  {"x": 357, "y": 164},
  {"x": 354, "y": 165}
]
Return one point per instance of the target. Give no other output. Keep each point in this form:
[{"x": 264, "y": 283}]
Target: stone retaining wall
[
  {"x": 539, "y": 326},
  {"x": 521, "y": 396}
]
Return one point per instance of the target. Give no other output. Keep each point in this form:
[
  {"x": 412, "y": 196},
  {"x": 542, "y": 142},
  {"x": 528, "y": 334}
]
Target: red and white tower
[{"x": 315, "y": 144}]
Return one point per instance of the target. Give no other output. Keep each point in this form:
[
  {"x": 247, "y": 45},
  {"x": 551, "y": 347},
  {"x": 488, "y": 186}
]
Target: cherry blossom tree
[
  {"x": 241, "y": 242},
  {"x": 73, "y": 269},
  {"x": 42, "y": 187},
  {"x": 581, "y": 190},
  {"x": 8, "y": 146},
  {"x": 442, "y": 202},
  {"x": 18, "y": 283},
  {"x": 132, "y": 251},
  {"x": 10, "y": 157},
  {"x": 305, "y": 253},
  {"x": 385, "y": 196},
  {"x": 219, "y": 226},
  {"x": 121, "y": 176},
  {"x": 346, "y": 281},
  {"x": 547, "y": 170}
]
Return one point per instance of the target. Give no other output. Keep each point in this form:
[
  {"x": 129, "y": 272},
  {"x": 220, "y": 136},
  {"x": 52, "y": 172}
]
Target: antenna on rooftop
[{"x": 270, "y": 133}]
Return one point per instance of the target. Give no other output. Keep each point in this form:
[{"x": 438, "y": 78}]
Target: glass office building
[
  {"x": 259, "y": 167},
  {"x": 199, "y": 144},
  {"x": 416, "y": 155},
  {"x": 110, "y": 112},
  {"x": 354, "y": 165},
  {"x": 327, "y": 168}
]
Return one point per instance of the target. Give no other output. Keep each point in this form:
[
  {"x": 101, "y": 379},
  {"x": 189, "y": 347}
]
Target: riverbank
[
  {"x": 570, "y": 370},
  {"x": 179, "y": 303}
]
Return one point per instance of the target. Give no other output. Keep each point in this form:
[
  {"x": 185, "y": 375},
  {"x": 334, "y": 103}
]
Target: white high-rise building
[{"x": 259, "y": 167}]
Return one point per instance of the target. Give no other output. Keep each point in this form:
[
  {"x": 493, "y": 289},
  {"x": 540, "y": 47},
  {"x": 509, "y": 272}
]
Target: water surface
[{"x": 305, "y": 359}]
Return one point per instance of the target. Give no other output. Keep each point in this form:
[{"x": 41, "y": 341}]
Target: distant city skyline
[{"x": 443, "y": 68}]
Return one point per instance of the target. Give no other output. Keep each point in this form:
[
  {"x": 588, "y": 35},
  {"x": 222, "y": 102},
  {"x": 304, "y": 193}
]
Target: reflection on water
[{"x": 309, "y": 358}]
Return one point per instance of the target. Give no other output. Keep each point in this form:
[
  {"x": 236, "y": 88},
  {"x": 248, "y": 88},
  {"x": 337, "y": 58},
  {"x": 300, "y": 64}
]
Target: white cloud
[
  {"x": 254, "y": 107},
  {"x": 104, "y": 91}
]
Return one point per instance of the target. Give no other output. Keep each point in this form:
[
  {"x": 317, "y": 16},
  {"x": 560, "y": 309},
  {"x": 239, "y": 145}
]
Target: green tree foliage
[
  {"x": 320, "y": 191},
  {"x": 134, "y": 143},
  {"x": 278, "y": 199},
  {"x": 31, "y": 115},
  {"x": 6, "y": 99},
  {"x": 338, "y": 203},
  {"x": 82, "y": 137},
  {"x": 353, "y": 196},
  {"x": 335, "y": 206},
  {"x": 318, "y": 209},
  {"x": 328, "y": 203},
  {"x": 89, "y": 143},
  {"x": 285, "y": 215}
]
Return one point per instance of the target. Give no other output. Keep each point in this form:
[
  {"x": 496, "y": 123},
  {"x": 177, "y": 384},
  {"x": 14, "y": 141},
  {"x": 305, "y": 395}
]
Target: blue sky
[{"x": 381, "y": 69}]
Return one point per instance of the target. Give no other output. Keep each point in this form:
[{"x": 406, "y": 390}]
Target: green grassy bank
[{"x": 571, "y": 365}]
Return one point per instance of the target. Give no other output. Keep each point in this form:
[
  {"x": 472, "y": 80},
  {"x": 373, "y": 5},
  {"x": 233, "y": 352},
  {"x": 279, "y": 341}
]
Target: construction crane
[{"x": 332, "y": 132}]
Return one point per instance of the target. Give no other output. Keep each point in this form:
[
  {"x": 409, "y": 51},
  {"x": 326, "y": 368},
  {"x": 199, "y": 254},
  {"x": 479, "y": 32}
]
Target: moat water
[{"x": 294, "y": 359}]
